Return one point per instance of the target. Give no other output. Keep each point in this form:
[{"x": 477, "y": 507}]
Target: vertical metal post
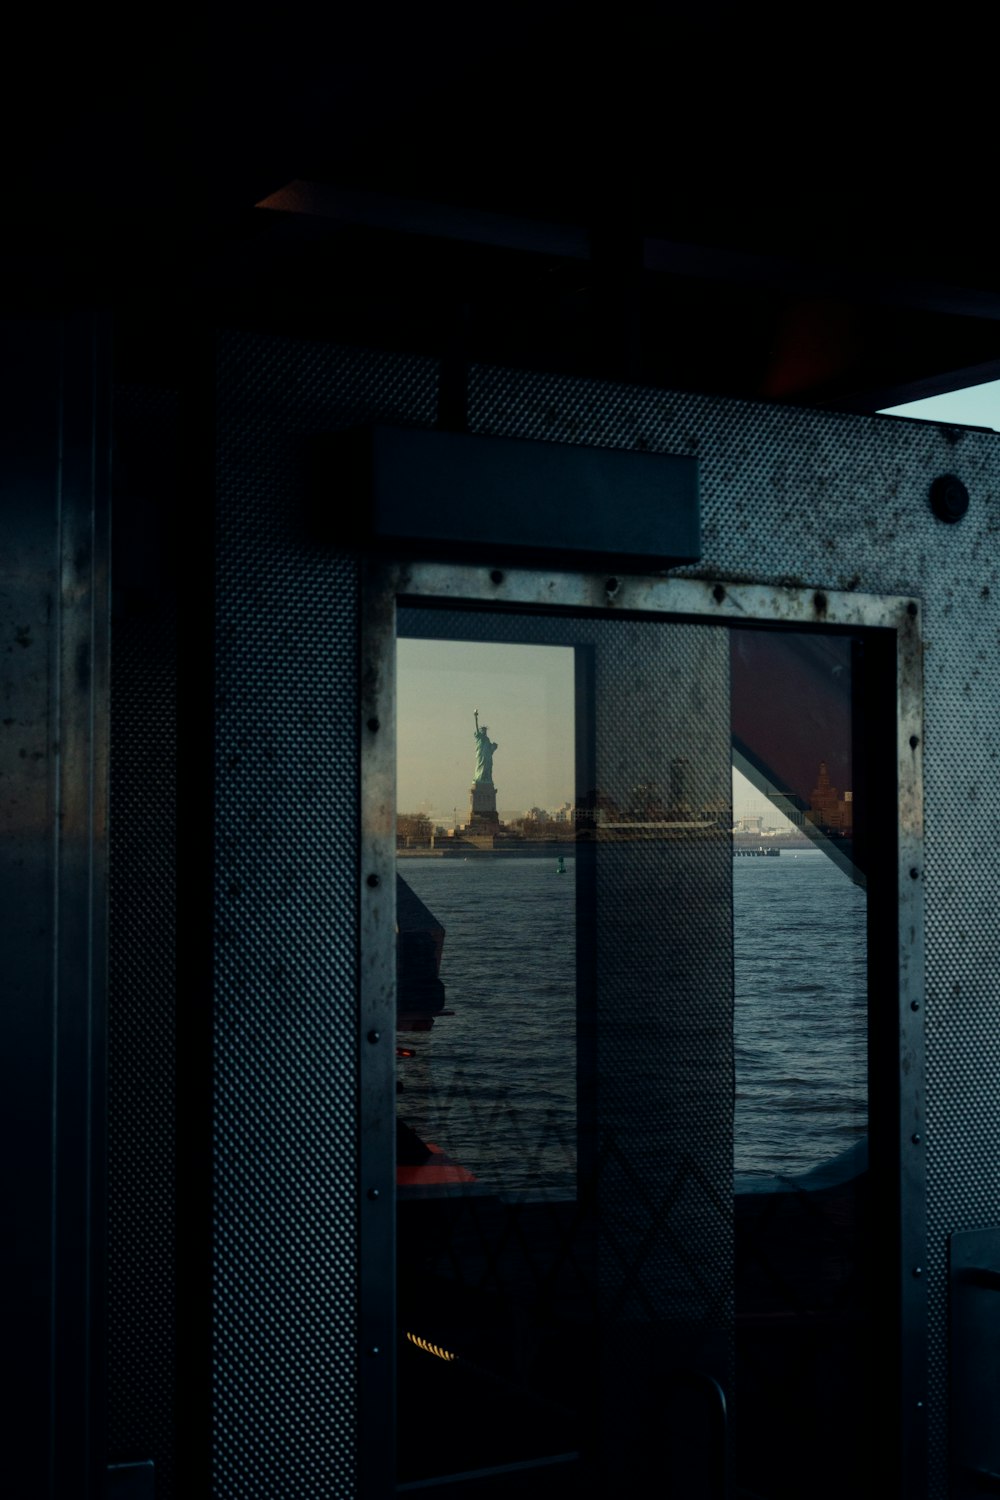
[
  {"x": 377, "y": 1033},
  {"x": 910, "y": 1050},
  {"x": 54, "y": 413}
]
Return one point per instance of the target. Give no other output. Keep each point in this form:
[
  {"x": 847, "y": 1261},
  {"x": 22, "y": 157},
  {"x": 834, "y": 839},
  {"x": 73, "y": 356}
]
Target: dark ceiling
[{"x": 776, "y": 203}]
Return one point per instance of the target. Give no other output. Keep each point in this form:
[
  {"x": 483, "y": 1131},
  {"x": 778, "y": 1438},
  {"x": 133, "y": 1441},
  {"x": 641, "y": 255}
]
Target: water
[
  {"x": 494, "y": 1084},
  {"x": 800, "y": 1012}
]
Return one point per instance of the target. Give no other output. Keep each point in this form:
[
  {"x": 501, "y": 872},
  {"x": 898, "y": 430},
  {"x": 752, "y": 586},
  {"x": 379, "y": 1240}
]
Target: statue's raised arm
[{"x": 484, "y": 752}]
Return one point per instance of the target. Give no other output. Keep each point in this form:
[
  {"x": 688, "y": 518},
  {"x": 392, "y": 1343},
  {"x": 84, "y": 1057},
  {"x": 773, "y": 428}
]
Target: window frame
[{"x": 892, "y": 626}]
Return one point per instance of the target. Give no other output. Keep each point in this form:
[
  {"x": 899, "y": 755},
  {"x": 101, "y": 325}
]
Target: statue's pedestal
[{"x": 483, "y": 815}]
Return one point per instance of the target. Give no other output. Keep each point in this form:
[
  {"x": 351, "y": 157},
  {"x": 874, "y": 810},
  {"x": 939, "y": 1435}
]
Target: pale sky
[
  {"x": 976, "y": 406},
  {"x": 525, "y": 697}
]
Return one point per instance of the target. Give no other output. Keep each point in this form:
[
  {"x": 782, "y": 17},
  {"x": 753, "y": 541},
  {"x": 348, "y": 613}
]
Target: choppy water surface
[
  {"x": 494, "y": 1083},
  {"x": 801, "y": 1012}
]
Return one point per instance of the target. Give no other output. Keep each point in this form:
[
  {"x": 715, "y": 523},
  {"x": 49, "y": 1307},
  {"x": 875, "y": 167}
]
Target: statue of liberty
[{"x": 484, "y": 753}]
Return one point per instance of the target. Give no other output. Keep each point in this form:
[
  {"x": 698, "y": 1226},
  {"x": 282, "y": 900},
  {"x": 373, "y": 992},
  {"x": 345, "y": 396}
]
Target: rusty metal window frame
[{"x": 894, "y": 621}]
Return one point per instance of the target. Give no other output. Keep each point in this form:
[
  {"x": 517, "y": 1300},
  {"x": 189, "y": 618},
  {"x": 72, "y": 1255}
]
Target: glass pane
[
  {"x": 801, "y": 1005},
  {"x": 486, "y": 1075},
  {"x": 632, "y": 1108},
  {"x": 495, "y": 1073}
]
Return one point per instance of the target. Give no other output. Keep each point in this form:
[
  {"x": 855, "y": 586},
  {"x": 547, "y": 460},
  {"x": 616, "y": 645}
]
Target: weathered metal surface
[
  {"x": 53, "y": 767},
  {"x": 377, "y": 1029},
  {"x": 840, "y": 502},
  {"x": 833, "y": 509},
  {"x": 289, "y": 1200}
]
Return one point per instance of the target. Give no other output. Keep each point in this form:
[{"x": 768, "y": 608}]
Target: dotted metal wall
[
  {"x": 787, "y": 496},
  {"x": 142, "y": 879},
  {"x": 664, "y": 1011},
  {"x": 841, "y": 502},
  {"x": 286, "y": 987}
]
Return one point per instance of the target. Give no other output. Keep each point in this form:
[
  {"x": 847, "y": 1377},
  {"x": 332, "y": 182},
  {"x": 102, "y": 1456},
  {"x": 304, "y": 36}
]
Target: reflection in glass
[
  {"x": 486, "y": 1075},
  {"x": 632, "y": 1055},
  {"x": 801, "y": 1036}
]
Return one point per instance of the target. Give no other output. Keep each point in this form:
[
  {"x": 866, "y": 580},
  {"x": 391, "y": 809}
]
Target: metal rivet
[
  {"x": 718, "y": 593},
  {"x": 611, "y": 587},
  {"x": 914, "y": 741},
  {"x": 911, "y": 608},
  {"x": 914, "y": 873},
  {"x": 918, "y": 1270},
  {"x": 496, "y": 576},
  {"x": 374, "y": 1036},
  {"x": 373, "y": 1194},
  {"x": 914, "y": 1004},
  {"x": 915, "y": 1137},
  {"x": 373, "y": 724},
  {"x": 373, "y": 881},
  {"x": 374, "y": 1351}
]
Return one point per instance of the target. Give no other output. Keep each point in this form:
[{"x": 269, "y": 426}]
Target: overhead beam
[{"x": 383, "y": 211}]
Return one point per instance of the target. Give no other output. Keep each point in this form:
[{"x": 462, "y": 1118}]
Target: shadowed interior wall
[
  {"x": 54, "y": 461},
  {"x": 142, "y": 951},
  {"x": 286, "y": 1261},
  {"x": 788, "y": 496}
]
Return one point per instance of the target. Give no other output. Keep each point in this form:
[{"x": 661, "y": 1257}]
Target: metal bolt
[
  {"x": 918, "y": 1270},
  {"x": 373, "y": 881},
  {"x": 914, "y": 1004},
  {"x": 496, "y": 576},
  {"x": 915, "y": 1137},
  {"x": 611, "y": 587},
  {"x": 914, "y": 741},
  {"x": 374, "y": 1036},
  {"x": 373, "y": 1194},
  {"x": 914, "y": 873},
  {"x": 374, "y": 1351},
  {"x": 911, "y": 608},
  {"x": 949, "y": 498},
  {"x": 718, "y": 593}
]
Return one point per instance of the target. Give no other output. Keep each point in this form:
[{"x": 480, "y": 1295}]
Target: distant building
[{"x": 827, "y": 809}]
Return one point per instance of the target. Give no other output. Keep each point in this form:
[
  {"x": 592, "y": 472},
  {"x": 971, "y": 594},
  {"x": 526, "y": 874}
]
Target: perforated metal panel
[
  {"x": 142, "y": 1185},
  {"x": 664, "y": 963},
  {"x": 656, "y": 1007},
  {"x": 789, "y": 496},
  {"x": 664, "y": 1006},
  {"x": 841, "y": 502},
  {"x": 286, "y": 1043}
]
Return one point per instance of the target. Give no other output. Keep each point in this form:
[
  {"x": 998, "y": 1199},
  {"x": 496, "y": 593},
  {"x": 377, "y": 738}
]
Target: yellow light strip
[{"x": 430, "y": 1348}]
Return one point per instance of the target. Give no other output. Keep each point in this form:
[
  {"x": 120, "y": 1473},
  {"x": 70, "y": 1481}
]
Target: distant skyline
[{"x": 525, "y": 695}]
